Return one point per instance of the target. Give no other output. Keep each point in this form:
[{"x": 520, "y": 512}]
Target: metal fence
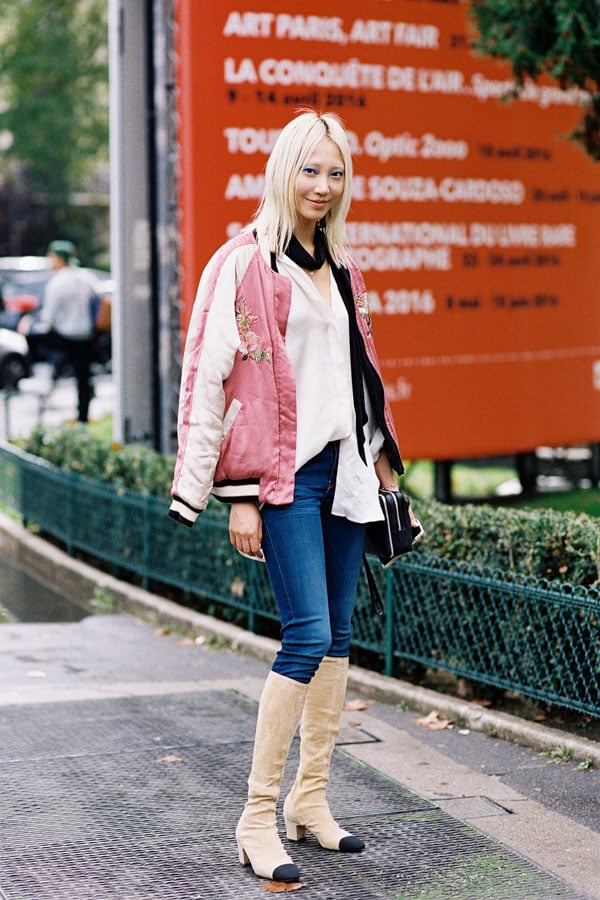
[{"x": 514, "y": 632}]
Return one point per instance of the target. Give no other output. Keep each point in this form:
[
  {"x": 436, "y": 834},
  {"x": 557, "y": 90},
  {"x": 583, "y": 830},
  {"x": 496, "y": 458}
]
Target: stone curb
[{"x": 80, "y": 583}]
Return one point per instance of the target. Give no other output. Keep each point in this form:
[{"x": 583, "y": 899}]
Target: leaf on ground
[
  {"x": 162, "y": 632},
  {"x": 354, "y": 705},
  {"x": 279, "y": 887},
  {"x": 169, "y": 759},
  {"x": 187, "y": 641},
  {"x": 433, "y": 722},
  {"x": 481, "y": 702}
]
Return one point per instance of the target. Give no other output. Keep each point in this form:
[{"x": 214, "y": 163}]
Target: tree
[
  {"x": 53, "y": 97},
  {"x": 560, "y": 38}
]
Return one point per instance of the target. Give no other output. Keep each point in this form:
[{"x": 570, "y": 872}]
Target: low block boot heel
[
  {"x": 294, "y": 831},
  {"x": 258, "y": 842},
  {"x": 306, "y": 806}
]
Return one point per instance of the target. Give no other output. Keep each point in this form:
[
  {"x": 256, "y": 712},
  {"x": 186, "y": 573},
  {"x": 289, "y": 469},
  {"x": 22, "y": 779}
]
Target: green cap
[{"x": 65, "y": 249}]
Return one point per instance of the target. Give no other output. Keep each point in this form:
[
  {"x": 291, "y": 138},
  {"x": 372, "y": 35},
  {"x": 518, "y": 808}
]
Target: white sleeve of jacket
[{"x": 206, "y": 365}]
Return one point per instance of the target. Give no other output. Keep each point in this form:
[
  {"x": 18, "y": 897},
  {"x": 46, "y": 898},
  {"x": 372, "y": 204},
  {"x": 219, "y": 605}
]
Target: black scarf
[
  {"x": 302, "y": 257},
  {"x": 362, "y": 367}
]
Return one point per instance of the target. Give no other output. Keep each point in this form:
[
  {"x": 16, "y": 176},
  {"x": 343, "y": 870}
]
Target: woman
[{"x": 282, "y": 414}]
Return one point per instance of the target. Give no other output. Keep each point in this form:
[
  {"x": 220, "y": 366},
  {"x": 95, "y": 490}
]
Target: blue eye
[
  {"x": 309, "y": 170},
  {"x": 337, "y": 173}
]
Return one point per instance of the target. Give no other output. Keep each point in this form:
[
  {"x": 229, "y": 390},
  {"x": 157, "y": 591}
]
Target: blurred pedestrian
[
  {"x": 282, "y": 414},
  {"x": 65, "y": 322}
]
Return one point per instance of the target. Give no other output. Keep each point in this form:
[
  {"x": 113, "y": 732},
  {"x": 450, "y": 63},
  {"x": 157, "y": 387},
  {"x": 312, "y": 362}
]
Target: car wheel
[{"x": 12, "y": 369}]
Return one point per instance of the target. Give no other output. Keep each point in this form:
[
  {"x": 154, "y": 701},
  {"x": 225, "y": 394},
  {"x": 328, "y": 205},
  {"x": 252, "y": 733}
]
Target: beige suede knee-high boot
[
  {"x": 258, "y": 842},
  {"x": 306, "y": 805}
]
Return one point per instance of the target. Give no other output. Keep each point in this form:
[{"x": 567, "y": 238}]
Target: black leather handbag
[
  {"x": 389, "y": 538},
  {"x": 392, "y": 536}
]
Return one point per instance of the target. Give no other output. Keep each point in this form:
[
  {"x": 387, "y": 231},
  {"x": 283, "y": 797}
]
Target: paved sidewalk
[
  {"x": 124, "y": 753},
  {"x": 39, "y": 401}
]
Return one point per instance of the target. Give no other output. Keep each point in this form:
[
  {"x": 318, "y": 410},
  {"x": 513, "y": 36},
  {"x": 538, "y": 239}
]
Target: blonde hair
[{"x": 275, "y": 218}]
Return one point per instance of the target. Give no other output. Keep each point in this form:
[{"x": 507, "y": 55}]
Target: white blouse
[{"x": 318, "y": 344}]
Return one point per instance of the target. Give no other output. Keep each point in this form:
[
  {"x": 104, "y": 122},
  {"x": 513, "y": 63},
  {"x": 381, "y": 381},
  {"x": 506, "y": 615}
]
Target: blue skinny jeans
[{"x": 313, "y": 559}]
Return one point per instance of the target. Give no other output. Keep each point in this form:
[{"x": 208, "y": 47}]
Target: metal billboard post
[
  {"x": 144, "y": 221},
  {"x": 130, "y": 221}
]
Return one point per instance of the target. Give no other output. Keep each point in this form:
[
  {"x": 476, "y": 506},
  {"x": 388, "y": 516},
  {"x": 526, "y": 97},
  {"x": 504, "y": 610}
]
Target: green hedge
[
  {"x": 543, "y": 543},
  {"x": 131, "y": 467}
]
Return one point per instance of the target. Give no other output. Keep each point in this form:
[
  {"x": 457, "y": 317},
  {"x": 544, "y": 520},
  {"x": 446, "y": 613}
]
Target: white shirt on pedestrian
[{"x": 67, "y": 304}]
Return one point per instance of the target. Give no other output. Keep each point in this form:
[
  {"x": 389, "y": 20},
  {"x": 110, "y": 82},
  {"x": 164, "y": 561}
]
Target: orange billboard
[{"x": 474, "y": 220}]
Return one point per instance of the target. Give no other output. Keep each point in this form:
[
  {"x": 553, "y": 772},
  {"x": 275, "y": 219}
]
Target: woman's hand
[
  {"x": 245, "y": 528},
  {"x": 385, "y": 473},
  {"x": 387, "y": 481}
]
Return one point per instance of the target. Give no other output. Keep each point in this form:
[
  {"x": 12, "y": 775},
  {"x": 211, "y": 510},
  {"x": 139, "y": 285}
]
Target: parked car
[
  {"x": 15, "y": 362},
  {"x": 22, "y": 283}
]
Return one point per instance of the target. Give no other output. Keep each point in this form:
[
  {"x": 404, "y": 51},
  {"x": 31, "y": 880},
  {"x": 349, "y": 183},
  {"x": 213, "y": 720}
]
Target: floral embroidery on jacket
[
  {"x": 363, "y": 307},
  {"x": 250, "y": 342}
]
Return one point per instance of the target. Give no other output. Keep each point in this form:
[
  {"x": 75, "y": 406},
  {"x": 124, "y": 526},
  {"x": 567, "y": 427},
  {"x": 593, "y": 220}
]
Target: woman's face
[{"x": 319, "y": 183}]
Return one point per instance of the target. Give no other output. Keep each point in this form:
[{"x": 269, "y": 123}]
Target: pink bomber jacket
[{"x": 237, "y": 407}]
